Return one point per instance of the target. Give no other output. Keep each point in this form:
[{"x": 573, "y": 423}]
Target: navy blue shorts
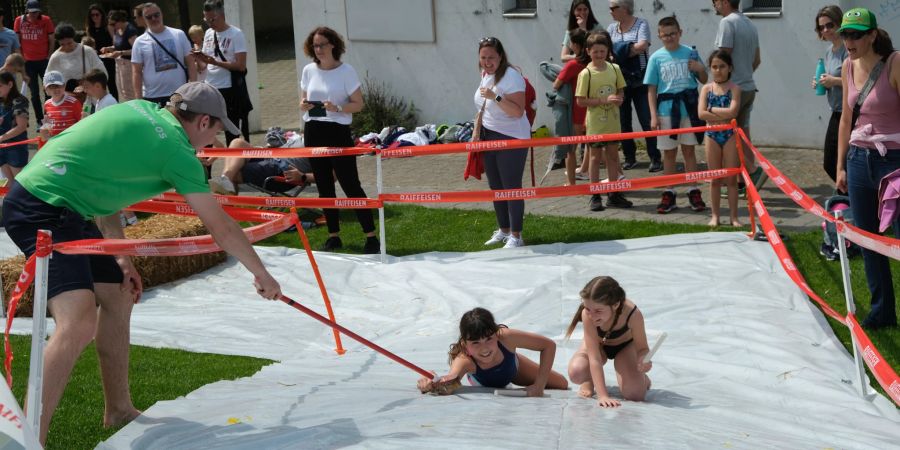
[
  {"x": 14, "y": 156},
  {"x": 255, "y": 171},
  {"x": 24, "y": 214}
]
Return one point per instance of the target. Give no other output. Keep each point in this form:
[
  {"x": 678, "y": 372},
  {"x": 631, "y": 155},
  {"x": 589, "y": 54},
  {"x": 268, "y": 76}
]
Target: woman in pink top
[{"x": 869, "y": 144}]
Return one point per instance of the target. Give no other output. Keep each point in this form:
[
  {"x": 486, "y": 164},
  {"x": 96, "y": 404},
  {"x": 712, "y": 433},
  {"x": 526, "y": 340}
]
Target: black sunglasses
[
  {"x": 613, "y": 8},
  {"x": 853, "y": 35},
  {"x": 827, "y": 26},
  {"x": 155, "y": 15},
  {"x": 488, "y": 40}
]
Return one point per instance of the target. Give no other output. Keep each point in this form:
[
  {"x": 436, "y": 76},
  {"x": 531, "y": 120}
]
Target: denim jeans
[
  {"x": 865, "y": 169},
  {"x": 562, "y": 110},
  {"x": 637, "y": 95}
]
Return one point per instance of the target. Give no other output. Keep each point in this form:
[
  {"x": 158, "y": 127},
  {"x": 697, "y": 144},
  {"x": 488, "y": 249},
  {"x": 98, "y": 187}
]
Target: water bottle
[
  {"x": 820, "y": 70},
  {"x": 694, "y": 54}
]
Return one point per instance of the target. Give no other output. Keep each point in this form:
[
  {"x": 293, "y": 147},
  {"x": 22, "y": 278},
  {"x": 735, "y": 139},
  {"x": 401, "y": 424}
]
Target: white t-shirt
[
  {"x": 72, "y": 65},
  {"x": 107, "y": 100},
  {"x": 335, "y": 85},
  {"x": 162, "y": 74},
  {"x": 494, "y": 118},
  {"x": 231, "y": 42}
]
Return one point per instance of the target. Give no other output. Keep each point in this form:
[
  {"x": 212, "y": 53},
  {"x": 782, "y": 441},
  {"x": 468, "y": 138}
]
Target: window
[
  {"x": 761, "y": 8},
  {"x": 519, "y": 8}
]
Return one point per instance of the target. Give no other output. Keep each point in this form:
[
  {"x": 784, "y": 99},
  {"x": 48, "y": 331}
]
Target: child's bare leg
[
  {"x": 690, "y": 159},
  {"x": 580, "y": 373},
  {"x": 612, "y": 161},
  {"x": 633, "y": 383},
  {"x": 714, "y": 161},
  {"x": 570, "y": 168},
  {"x": 731, "y": 159},
  {"x": 595, "y": 154},
  {"x": 528, "y": 373}
]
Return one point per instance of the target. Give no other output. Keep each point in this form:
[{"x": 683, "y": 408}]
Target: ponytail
[
  {"x": 883, "y": 45},
  {"x": 575, "y": 320}
]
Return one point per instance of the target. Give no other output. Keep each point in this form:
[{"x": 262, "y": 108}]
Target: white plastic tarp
[{"x": 748, "y": 363}]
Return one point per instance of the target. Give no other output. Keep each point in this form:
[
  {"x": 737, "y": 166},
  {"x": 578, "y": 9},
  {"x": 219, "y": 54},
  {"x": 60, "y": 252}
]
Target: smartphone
[{"x": 318, "y": 109}]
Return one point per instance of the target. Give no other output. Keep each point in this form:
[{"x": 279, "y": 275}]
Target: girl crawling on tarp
[{"x": 486, "y": 354}]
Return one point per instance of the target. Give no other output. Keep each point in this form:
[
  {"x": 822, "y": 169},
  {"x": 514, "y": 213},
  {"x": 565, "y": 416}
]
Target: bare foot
[
  {"x": 714, "y": 222},
  {"x": 736, "y": 223},
  {"x": 112, "y": 420},
  {"x": 586, "y": 390}
]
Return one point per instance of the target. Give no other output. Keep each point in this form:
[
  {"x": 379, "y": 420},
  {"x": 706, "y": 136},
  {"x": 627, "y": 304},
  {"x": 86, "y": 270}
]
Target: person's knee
[{"x": 238, "y": 142}]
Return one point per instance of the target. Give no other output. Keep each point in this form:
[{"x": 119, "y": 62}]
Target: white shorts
[{"x": 670, "y": 142}]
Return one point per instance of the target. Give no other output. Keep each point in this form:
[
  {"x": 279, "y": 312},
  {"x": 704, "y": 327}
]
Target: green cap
[{"x": 858, "y": 19}]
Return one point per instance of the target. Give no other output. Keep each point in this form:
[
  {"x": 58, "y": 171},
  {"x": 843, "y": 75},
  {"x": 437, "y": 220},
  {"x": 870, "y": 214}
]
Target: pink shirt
[{"x": 880, "y": 110}]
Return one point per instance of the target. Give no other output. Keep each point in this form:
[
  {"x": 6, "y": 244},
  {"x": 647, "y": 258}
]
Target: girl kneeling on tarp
[{"x": 486, "y": 353}]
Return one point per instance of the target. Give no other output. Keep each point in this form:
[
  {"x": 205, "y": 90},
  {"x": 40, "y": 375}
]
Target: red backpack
[{"x": 530, "y": 98}]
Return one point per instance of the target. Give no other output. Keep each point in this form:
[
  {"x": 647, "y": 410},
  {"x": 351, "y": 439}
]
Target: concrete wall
[{"x": 441, "y": 76}]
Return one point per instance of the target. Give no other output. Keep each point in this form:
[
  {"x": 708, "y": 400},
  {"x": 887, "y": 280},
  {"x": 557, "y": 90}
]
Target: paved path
[{"x": 279, "y": 99}]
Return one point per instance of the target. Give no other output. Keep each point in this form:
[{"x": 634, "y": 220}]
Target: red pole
[{"x": 357, "y": 337}]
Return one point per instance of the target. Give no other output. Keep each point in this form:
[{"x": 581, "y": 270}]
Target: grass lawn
[{"x": 160, "y": 374}]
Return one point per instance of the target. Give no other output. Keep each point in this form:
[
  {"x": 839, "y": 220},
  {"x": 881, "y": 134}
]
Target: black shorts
[
  {"x": 255, "y": 171},
  {"x": 24, "y": 214}
]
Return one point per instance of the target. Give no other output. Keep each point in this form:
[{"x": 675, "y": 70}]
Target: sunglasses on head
[
  {"x": 853, "y": 35},
  {"x": 827, "y": 26},
  {"x": 488, "y": 40}
]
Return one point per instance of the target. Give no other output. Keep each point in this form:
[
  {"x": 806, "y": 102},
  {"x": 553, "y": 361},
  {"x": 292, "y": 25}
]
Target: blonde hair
[
  {"x": 15, "y": 60},
  {"x": 195, "y": 30},
  {"x": 605, "y": 291}
]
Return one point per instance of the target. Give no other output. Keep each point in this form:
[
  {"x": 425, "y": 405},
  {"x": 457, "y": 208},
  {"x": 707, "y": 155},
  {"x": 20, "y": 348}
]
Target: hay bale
[{"x": 154, "y": 270}]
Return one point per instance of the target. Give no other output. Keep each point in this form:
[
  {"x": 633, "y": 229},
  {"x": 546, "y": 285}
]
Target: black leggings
[
  {"x": 829, "y": 161},
  {"x": 329, "y": 134}
]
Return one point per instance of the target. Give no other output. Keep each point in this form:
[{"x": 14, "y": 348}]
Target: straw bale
[{"x": 154, "y": 270}]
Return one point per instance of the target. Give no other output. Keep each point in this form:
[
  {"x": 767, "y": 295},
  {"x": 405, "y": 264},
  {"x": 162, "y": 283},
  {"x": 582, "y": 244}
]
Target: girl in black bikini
[
  {"x": 486, "y": 352},
  {"x": 613, "y": 329}
]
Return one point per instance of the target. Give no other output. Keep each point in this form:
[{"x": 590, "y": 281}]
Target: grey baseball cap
[
  {"x": 203, "y": 98},
  {"x": 53, "y": 78}
]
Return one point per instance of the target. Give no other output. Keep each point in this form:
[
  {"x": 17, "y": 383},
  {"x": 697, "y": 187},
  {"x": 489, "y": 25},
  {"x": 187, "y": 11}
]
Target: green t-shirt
[
  {"x": 601, "y": 119},
  {"x": 119, "y": 156}
]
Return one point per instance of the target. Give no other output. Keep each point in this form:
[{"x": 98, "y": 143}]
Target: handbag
[{"x": 240, "y": 95}]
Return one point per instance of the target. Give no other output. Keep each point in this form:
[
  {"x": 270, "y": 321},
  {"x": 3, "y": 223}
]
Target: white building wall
[{"x": 441, "y": 77}]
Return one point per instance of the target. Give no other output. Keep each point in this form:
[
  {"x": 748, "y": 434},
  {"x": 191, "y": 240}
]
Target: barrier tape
[
  {"x": 183, "y": 209},
  {"x": 193, "y": 245},
  {"x": 886, "y": 246},
  {"x": 25, "y": 280},
  {"x": 26, "y": 141},
  {"x": 884, "y": 373},
  {"x": 439, "y": 149},
  {"x": 558, "y": 191},
  {"x": 286, "y": 202}
]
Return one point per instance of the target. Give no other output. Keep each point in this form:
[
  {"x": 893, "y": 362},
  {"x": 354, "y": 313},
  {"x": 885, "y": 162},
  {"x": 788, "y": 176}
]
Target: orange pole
[
  {"x": 312, "y": 260},
  {"x": 744, "y": 174}
]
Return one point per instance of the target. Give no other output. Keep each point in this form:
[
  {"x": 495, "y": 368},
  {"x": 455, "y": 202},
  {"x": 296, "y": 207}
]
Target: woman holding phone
[{"x": 329, "y": 95}]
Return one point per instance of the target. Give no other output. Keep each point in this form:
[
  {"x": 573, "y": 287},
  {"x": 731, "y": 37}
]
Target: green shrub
[{"x": 381, "y": 109}]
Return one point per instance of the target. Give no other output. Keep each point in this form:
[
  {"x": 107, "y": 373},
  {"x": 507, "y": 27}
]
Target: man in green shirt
[{"x": 76, "y": 185}]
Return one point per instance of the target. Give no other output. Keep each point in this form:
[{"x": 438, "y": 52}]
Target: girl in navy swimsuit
[
  {"x": 486, "y": 352},
  {"x": 720, "y": 101},
  {"x": 613, "y": 329}
]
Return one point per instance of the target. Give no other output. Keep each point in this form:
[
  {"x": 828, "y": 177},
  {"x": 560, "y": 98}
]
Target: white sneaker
[
  {"x": 222, "y": 185},
  {"x": 513, "y": 242},
  {"x": 498, "y": 237}
]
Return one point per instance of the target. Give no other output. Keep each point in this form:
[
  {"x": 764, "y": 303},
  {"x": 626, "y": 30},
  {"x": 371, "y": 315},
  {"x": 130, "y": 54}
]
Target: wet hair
[
  {"x": 723, "y": 56},
  {"x": 9, "y": 78},
  {"x": 605, "y": 291},
  {"x": 495, "y": 43},
  {"x": 627, "y": 4},
  {"x": 669, "y": 21},
  {"x": 64, "y": 31},
  {"x": 473, "y": 325},
  {"x": 89, "y": 24},
  {"x": 96, "y": 76},
  {"x": 832, "y": 12},
  {"x": 591, "y": 20},
  {"x": 335, "y": 39}
]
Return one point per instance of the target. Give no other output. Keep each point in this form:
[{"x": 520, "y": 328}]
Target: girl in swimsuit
[
  {"x": 613, "y": 329},
  {"x": 486, "y": 352},
  {"x": 720, "y": 101}
]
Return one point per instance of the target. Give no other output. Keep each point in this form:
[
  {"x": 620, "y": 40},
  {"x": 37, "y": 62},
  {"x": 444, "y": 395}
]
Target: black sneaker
[
  {"x": 828, "y": 252},
  {"x": 597, "y": 203},
  {"x": 655, "y": 165},
  {"x": 558, "y": 165},
  {"x": 332, "y": 243},
  {"x": 667, "y": 204},
  {"x": 618, "y": 200},
  {"x": 629, "y": 164},
  {"x": 372, "y": 247},
  {"x": 695, "y": 198}
]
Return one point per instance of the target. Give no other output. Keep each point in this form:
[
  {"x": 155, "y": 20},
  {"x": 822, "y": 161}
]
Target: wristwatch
[{"x": 498, "y": 98}]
